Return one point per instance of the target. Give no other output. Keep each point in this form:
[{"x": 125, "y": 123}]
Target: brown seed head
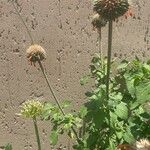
[
  {"x": 98, "y": 21},
  {"x": 35, "y": 52},
  {"x": 111, "y": 9}
]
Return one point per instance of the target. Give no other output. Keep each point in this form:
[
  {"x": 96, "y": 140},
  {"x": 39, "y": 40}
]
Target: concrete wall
[{"x": 63, "y": 28}]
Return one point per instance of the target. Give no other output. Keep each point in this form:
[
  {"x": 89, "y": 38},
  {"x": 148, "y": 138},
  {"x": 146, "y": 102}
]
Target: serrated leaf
[
  {"x": 122, "y": 111},
  {"x": 53, "y": 137},
  {"x": 128, "y": 137},
  {"x": 46, "y": 111},
  {"x": 146, "y": 68},
  {"x": 143, "y": 92},
  {"x": 113, "y": 119},
  {"x": 130, "y": 84}
]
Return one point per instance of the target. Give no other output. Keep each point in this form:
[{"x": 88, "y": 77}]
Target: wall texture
[{"x": 63, "y": 28}]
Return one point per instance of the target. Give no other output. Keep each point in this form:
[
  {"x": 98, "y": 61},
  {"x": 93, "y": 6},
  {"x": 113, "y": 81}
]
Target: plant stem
[
  {"x": 109, "y": 58},
  {"x": 50, "y": 87},
  {"x": 53, "y": 93},
  {"x": 100, "y": 41},
  {"x": 43, "y": 71},
  {"x": 37, "y": 133},
  {"x": 29, "y": 33},
  {"x": 100, "y": 46},
  {"x": 108, "y": 70}
]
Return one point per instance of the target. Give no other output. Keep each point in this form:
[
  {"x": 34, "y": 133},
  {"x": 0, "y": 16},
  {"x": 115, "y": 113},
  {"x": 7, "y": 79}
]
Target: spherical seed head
[
  {"x": 111, "y": 9},
  {"x": 35, "y": 52},
  {"x": 98, "y": 21},
  {"x": 31, "y": 108},
  {"x": 143, "y": 144}
]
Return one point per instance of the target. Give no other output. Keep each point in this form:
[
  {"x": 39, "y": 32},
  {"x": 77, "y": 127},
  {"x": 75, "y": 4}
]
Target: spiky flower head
[
  {"x": 35, "y": 52},
  {"x": 111, "y": 9},
  {"x": 98, "y": 21},
  {"x": 31, "y": 108},
  {"x": 143, "y": 144}
]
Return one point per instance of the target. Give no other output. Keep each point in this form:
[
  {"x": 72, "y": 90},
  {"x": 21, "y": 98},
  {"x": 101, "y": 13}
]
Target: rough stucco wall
[{"x": 64, "y": 29}]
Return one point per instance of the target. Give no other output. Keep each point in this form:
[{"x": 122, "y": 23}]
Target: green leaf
[
  {"x": 84, "y": 80},
  {"x": 89, "y": 94},
  {"x": 113, "y": 119},
  {"x": 146, "y": 68},
  {"x": 119, "y": 134},
  {"x": 122, "y": 111},
  {"x": 123, "y": 64},
  {"x": 53, "y": 137},
  {"x": 8, "y": 147},
  {"x": 130, "y": 84},
  {"x": 112, "y": 145},
  {"x": 128, "y": 137},
  {"x": 83, "y": 111},
  {"x": 66, "y": 103},
  {"x": 46, "y": 111},
  {"x": 143, "y": 92}
]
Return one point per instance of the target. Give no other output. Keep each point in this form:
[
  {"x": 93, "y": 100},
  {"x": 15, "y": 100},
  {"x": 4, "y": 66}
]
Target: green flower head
[{"x": 31, "y": 108}]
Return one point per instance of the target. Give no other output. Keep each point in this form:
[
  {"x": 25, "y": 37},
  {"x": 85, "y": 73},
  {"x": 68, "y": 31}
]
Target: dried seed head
[
  {"x": 98, "y": 21},
  {"x": 35, "y": 52},
  {"x": 31, "y": 109},
  {"x": 143, "y": 144},
  {"x": 111, "y": 9}
]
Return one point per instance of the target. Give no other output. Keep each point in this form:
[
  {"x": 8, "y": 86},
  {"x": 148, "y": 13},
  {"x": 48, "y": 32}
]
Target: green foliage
[
  {"x": 61, "y": 123},
  {"x": 8, "y": 146},
  {"x": 53, "y": 137},
  {"x": 103, "y": 124}
]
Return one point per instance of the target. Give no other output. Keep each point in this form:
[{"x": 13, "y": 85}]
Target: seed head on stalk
[
  {"x": 111, "y": 9},
  {"x": 35, "y": 52},
  {"x": 31, "y": 109},
  {"x": 98, "y": 21}
]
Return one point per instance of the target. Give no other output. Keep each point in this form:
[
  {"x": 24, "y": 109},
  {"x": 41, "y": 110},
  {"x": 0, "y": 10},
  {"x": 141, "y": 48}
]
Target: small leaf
[
  {"x": 71, "y": 134},
  {"x": 130, "y": 84},
  {"x": 143, "y": 92},
  {"x": 128, "y": 137},
  {"x": 83, "y": 111},
  {"x": 66, "y": 103},
  {"x": 119, "y": 134},
  {"x": 53, "y": 137},
  {"x": 8, "y": 147},
  {"x": 89, "y": 94},
  {"x": 122, "y": 111},
  {"x": 47, "y": 111},
  {"x": 123, "y": 64},
  {"x": 84, "y": 80}
]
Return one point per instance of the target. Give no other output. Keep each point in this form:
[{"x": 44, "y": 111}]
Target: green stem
[
  {"x": 109, "y": 58},
  {"x": 108, "y": 71},
  {"x": 100, "y": 41},
  {"x": 37, "y": 133},
  {"x": 50, "y": 87},
  {"x": 29, "y": 33},
  {"x": 53, "y": 93},
  {"x": 100, "y": 46}
]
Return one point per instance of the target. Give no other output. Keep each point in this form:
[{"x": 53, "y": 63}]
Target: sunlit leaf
[
  {"x": 53, "y": 137},
  {"x": 122, "y": 110}
]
